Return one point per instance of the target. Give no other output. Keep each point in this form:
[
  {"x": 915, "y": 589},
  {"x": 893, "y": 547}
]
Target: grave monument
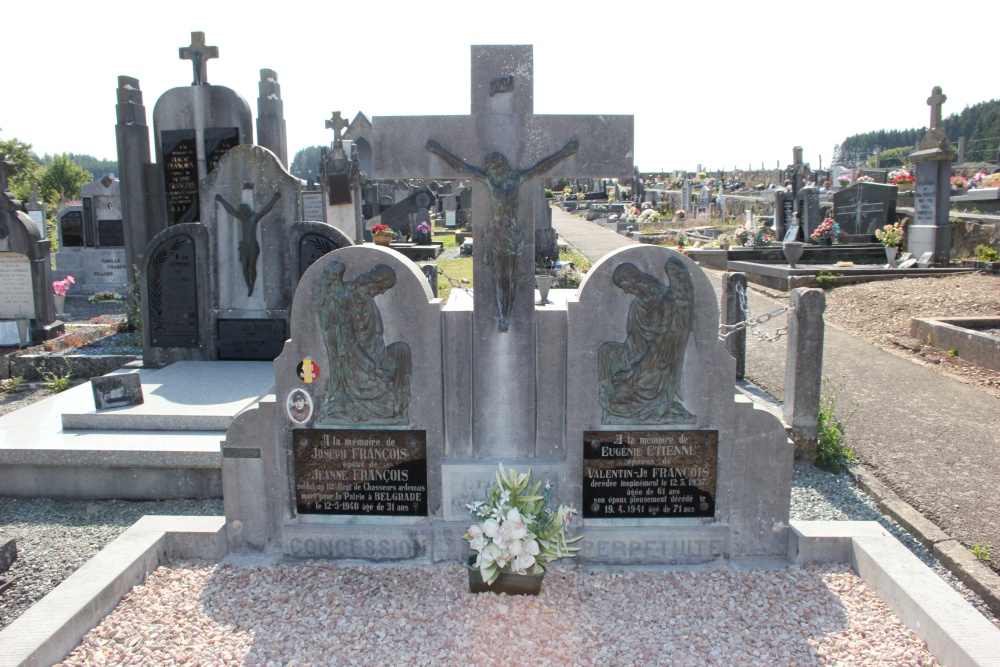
[
  {"x": 27, "y": 310},
  {"x": 193, "y": 127},
  {"x": 92, "y": 241},
  {"x": 222, "y": 288},
  {"x": 930, "y": 230},
  {"x": 619, "y": 394}
]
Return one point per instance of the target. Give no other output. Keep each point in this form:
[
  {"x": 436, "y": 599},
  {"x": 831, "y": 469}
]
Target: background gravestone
[
  {"x": 862, "y": 208},
  {"x": 25, "y": 267},
  {"x": 193, "y": 126},
  {"x": 222, "y": 288},
  {"x": 92, "y": 248},
  {"x": 298, "y": 485}
]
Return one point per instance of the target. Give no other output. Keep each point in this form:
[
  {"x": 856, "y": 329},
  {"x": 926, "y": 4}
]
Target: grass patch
[
  {"x": 458, "y": 269},
  {"x": 581, "y": 263}
]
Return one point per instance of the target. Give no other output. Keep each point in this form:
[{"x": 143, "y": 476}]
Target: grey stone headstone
[
  {"x": 926, "y": 259},
  {"x": 864, "y": 207},
  {"x": 704, "y": 391},
  {"x": 117, "y": 391},
  {"x": 257, "y": 491}
]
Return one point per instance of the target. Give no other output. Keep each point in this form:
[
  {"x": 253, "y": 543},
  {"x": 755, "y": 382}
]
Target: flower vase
[
  {"x": 544, "y": 284},
  {"x": 506, "y": 582},
  {"x": 905, "y": 186},
  {"x": 824, "y": 241},
  {"x": 60, "y": 303},
  {"x": 890, "y": 254},
  {"x": 22, "y": 331},
  {"x": 793, "y": 251},
  {"x": 382, "y": 239}
]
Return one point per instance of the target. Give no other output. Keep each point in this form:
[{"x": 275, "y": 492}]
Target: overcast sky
[{"x": 720, "y": 84}]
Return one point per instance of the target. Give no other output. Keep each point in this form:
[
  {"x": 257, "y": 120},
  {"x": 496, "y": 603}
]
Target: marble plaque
[
  {"x": 180, "y": 174},
  {"x": 649, "y": 474},
  {"x": 366, "y": 472},
  {"x": 72, "y": 229},
  {"x": 218, "y": 140},
  {"x": 251, "y": 339},
  {"x": 312, "y": 206},
  {"x": 111, "y": 233},
  {"x": 16, "y": 298},
  {"x": 173, "y": 294},
  {"x": 311, "y": 248}
]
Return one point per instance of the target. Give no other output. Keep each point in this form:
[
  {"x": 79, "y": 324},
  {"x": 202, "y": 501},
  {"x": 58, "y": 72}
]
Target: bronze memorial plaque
[
  {"x": 372, "y": 472},
  {"x": 661, "y": 474}
]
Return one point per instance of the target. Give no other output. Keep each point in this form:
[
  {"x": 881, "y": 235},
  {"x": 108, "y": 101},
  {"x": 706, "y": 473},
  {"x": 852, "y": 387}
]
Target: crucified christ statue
[
  {"x": 503, "y": 238},
  {"x": 249, "y": 248}
]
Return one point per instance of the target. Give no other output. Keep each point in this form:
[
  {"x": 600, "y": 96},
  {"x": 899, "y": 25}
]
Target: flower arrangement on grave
[
  {"x": 567, "y": 191},
  {"x": 424, "y": 228},
  {"x": 633, "y": 215},
  {"x": 763, "y": 237},
  {"x": 865, "y": 179},
  {"x": 516, "y": 531},
  {"x": 682, "y": 240},
  {"x": 579, "y": 196},
  {"x": 891, "y": 236},
  {"x": 991, "y": 181},
  {"x": 844, "y": 180},
  {"x": 959, "y": 182},
  {"x": 60, "y": 287},
  {"x": 901, "y": 176},
  {"x": 742, "y": 235},
  {"x": 828, "y": 229},
  {"x": 384, "y": 230}
]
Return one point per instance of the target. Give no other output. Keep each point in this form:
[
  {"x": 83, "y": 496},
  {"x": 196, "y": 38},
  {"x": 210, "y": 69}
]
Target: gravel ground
[
  {"x": 357, "y": 615},
  {"x": 202, "y": 613},
  {"x": 880, "y": 313}
]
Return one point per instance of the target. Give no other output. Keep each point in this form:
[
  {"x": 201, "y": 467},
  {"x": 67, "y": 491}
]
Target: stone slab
[
  {"x": 386, "y": 544},
  {"x": 185, "y": 396},
  {"x": 466, "y": 481}
]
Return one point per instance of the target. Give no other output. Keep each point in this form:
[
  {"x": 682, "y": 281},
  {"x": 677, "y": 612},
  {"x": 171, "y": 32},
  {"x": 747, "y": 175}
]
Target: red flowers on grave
[{"x": 828, "y": 229}]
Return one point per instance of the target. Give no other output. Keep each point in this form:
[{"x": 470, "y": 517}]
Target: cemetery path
[{"x": 930, "y": 437}]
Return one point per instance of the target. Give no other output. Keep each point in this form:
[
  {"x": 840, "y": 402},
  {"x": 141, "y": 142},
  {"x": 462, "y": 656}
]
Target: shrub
[
  {"x": 831, "y": 454},
  {"x": 826, "y": 280},
  {"x": 987, "y": 254}
]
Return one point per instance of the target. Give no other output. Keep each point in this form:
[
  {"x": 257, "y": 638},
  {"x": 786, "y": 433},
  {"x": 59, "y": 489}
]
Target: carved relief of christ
[
  {"x": 249, "y": 248},
  {"x": 503, "y": 237}
]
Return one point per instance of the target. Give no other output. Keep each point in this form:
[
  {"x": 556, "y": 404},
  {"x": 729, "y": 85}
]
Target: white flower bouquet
[{"x": 517, "y": 531}]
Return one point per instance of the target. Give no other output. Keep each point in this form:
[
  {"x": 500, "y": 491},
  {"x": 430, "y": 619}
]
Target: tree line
[
  {"x": 979, "y": 124},
  {"x": 58, "y": 177}
]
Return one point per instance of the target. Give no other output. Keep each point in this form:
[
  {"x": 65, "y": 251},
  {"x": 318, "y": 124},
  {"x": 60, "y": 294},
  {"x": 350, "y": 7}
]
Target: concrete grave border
[
  {"x": 54, "y": 626},
  {"x": 959, "y": 333},
  {"x": 953, "y": 630}
]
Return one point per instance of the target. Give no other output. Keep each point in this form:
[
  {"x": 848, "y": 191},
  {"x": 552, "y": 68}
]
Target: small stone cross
[
  {"x": 337, "y": 124},
  {"x": 935, "y": 101},
  {"x": 198, "y": 54}
]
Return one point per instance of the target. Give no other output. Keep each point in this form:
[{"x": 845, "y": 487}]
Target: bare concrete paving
[{"x": 927, "y": 443}]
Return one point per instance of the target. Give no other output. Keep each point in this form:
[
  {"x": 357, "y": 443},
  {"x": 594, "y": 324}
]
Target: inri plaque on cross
[{"x": 503, "y": 145}]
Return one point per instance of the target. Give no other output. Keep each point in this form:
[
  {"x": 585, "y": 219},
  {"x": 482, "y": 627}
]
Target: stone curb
[
  {"x": 955, "y": 633},
  {"x": 952, "y": 554},
  {"x": 53, "y": 627}
]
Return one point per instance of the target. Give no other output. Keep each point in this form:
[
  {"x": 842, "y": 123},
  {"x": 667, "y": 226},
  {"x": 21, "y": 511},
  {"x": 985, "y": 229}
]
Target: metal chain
[
  {"x": 753, "y": 323},
  {"x": 455, "y": 282}
]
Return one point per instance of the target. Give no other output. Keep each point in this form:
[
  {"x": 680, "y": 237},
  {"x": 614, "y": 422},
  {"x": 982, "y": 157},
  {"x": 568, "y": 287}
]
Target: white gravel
[{"x": 318, "y": 613}]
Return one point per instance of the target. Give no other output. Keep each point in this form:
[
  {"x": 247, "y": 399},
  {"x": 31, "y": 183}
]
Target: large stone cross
[
  {"x": 935, "y": 101},
  {"x": 337, "y": 124},
  {"x": 199, "y": 54},
  {"x": 503, "y": 146}
]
